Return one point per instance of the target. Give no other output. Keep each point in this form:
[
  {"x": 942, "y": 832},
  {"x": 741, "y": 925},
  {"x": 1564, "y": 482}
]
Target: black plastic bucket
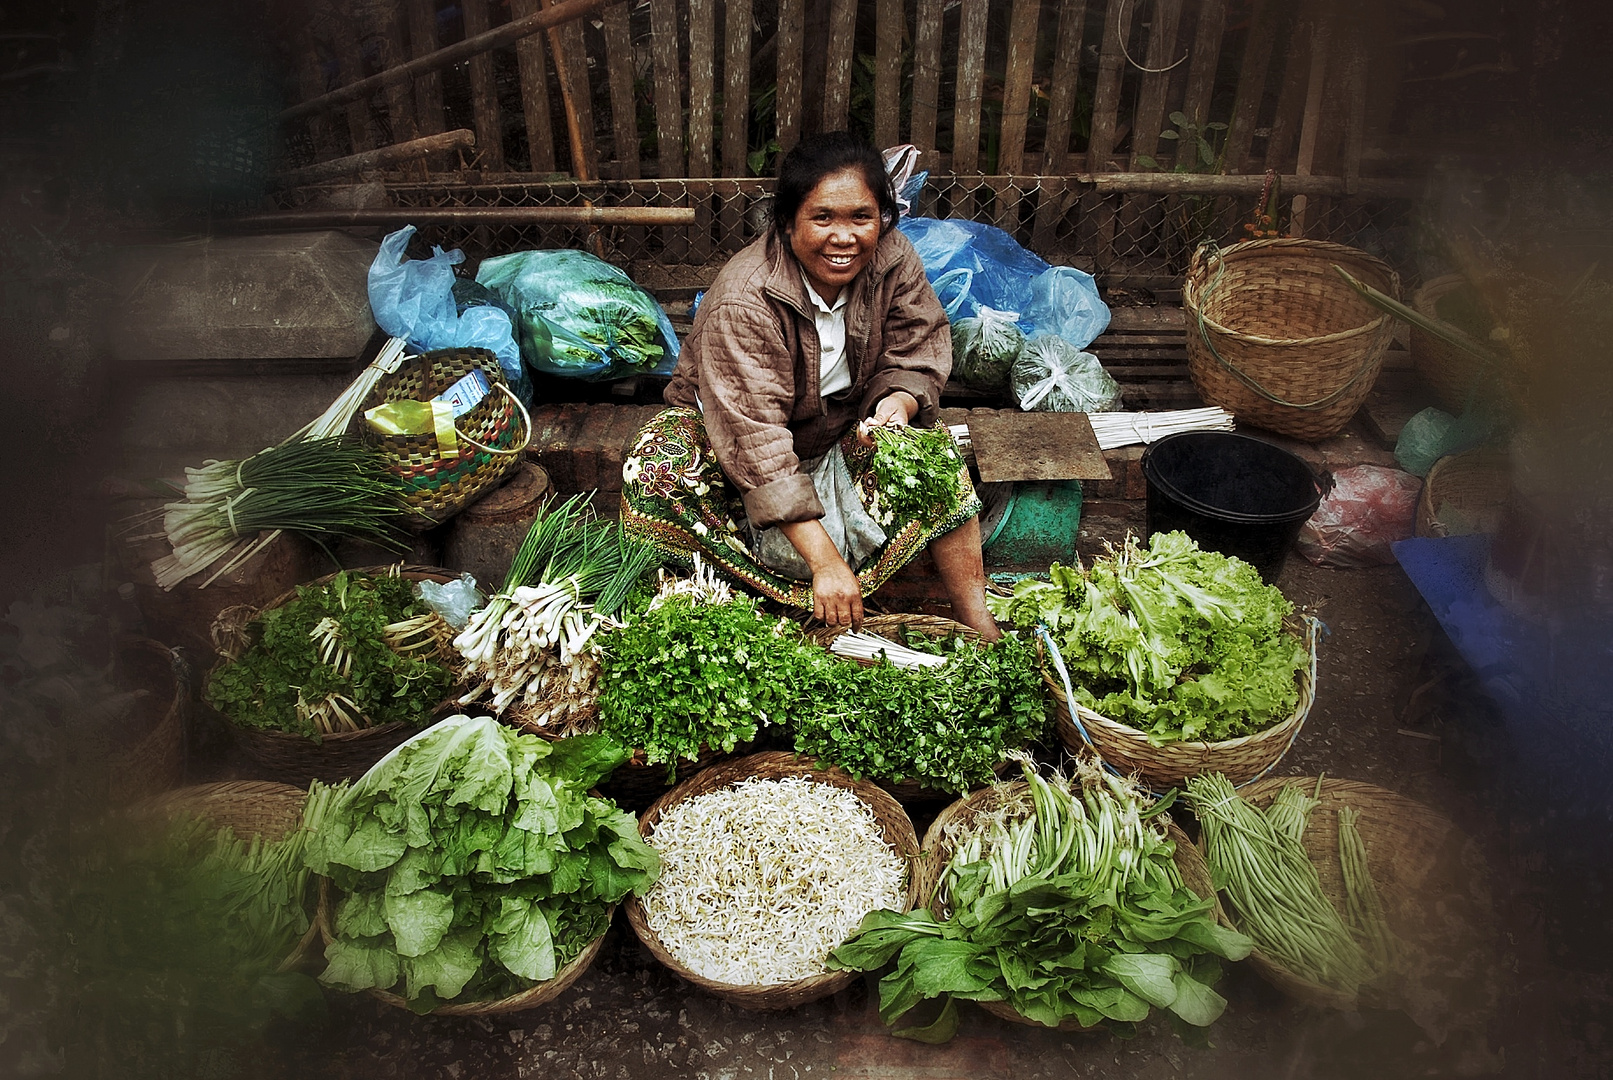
[{"x": 1231, "y": 493}]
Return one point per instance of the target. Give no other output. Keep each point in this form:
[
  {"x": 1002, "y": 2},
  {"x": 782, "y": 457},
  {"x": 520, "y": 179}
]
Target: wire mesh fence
[{"x": 1142, "y": 236}]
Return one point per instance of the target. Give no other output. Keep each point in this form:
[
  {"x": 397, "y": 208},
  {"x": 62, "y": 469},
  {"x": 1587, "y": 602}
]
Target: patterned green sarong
[{"x": 675, "y": 496}]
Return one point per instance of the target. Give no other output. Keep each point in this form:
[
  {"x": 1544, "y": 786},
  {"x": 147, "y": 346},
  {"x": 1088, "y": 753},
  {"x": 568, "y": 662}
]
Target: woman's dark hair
[{"x": 815, "y": 157}]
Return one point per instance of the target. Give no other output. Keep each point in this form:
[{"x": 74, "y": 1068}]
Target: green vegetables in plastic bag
[
  {"x": 579, "y": 316},
  {"x": 1051, "y": 375},
  {"x": 984, "y": 348}
]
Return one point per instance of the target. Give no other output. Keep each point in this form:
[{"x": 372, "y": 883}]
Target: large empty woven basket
[{"x": 1276, "y": 337}]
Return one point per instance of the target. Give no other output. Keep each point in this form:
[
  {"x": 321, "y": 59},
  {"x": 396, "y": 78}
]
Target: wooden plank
[
  {"x": 890, "y": 25},
  {"x": 971, "y": 80},
  {"x": 1050, "y": 208},
  {"x": 427, "y": 87},
  {"x": 1207, "y": 36},
  {"x": 1320, "y": 48},
  {"x": 570, "y": 52},
  {"x": 837, "y": 69},
  {"x": 1106, "y": 94},
  {"x": 736, "y": 88},
  {"x": 1021, "y": 71},
  {"x": 483, "y": 91},
  {"x": 1036, "y": 446},
  {"x": 1160, "y": 60},
  {"x": 1061, "y": 99},
  {"x": 619, "y": 66},
  {"x": 399, "y": 96},
  {"x": 1251, "y": 83},
  {"x": 396, "y": 154},
  {"x": 668, "y": 112},
  {"x": 787, "y": 99},
  {"x": 534, "y": 73},
  {"x": 926, "y": 80},
  {"x": 1291, "y": 95},
  {"x": 1355, "y": 93},
  {"x": 702, "y": 85}
]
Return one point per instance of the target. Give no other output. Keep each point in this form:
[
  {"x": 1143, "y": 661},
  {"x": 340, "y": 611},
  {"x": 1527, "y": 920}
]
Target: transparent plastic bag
[
  {"x": 985, "y": 347},
  {"x": 455, "y": 600},
  {"x": 1065, "y": 301},
  {"x": 413, "y": 299},
  {"x": 581, "y": 317},
  {"x": 1369, "y": 508},
  {"x": 1051, "y": 375}
]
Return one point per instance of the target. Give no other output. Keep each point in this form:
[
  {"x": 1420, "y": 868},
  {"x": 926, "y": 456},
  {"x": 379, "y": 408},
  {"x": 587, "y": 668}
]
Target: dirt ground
[{"x": 1395, "y": 707}]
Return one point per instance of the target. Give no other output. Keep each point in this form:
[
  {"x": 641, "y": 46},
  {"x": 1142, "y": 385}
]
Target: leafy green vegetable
[
  {"x": 685, "y": 675},
  {"x": 348, "y": 654},
  {"x": 474, "y": 863},
  {"x": 1071, "y": 908},
  {"x": 1180, "y": 643},
  {"x": 947, "y": 727},
  {"x": 916, "y": 472}
]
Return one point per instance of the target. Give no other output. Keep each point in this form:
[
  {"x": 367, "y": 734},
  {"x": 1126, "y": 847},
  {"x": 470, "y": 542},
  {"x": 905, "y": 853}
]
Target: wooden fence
[{"x": 1115, "y": 133}]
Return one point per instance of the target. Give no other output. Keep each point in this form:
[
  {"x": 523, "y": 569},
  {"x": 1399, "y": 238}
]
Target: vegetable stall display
[
  {"x": 1060, "y": 899},
  {"x": 471, "y": 865},
  {"x": 351, "y": 653}
]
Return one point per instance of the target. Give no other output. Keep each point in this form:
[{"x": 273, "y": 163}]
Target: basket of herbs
[
  {"x": 325, "y": 679},
  {"x": 919, "y": 705},
  {"x": 472, "y": 872},
  {"x": 1169, "y": 661},
  {"x": 1069, "y": 903},
  {"x": 768, "y": 863},
  {"x": 1352, "y": 894}
]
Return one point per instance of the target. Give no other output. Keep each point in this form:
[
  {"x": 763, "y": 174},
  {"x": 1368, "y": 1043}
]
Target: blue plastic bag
[
  {"x": 972, "y": 266},
  {"x": 413, "y": 299}
]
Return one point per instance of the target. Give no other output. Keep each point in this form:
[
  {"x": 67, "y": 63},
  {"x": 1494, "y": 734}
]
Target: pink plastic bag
[{"x": 1369, "y": 508}]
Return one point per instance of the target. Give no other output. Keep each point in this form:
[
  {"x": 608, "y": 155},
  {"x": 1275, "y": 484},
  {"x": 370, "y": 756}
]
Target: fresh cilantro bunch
[
  {"x": 946, "y": 727},
  {"x": 473, "y": 863},
  {"x": 916, "y": 471},
  {"x": 1179, "y": 643},
  {"x": 686, "y": 675},
  {"x": 263, "y": 688}
]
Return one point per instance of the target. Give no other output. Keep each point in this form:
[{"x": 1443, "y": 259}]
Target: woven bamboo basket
[
  {"x": 937, "y": 853},
  {"x": 297, "y": 759},
  {"x": 249, "y": 808},
  {"x": 1408, "y": 848},
  {"x": 541, "y": 994},
  {"x": 1162, "y": 767},
  {"x": 492, "y": 436},
  {"x": 1473, "y": 486},
  {"x": 1279, "y": 339},
  {"x": 907, "y": 792},
  {"x": 1453, "y": 374},
  {"x": 894, "y": 824},
  {"x": 157, "y": 761}
]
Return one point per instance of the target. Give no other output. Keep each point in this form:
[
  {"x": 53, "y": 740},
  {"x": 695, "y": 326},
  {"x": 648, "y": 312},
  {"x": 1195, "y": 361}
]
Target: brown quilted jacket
[{"x": 752, "y": 359}]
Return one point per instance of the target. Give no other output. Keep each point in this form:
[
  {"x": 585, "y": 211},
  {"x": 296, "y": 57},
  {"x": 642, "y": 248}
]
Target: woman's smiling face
[{"x": 835, "y": 231}]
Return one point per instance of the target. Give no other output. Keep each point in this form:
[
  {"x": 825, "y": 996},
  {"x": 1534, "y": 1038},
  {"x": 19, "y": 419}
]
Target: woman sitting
[{"x": 810, "y": 337}]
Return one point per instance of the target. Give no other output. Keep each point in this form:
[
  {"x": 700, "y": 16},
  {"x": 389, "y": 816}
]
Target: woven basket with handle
[
  {"x": 1162, "y": 767},
  {"x": 297, "y": 759},
  {"x": 893, "y": 823},
  {"x": 157, "y": 761},
  {"x": 249, "y": 808},
  {"x": 938, "y": 852},
  {"x": 1276, "y": 337},
  {"x": 1471, "y": 486},
  {"x": 492, "y": 436},
  {"x": 907, "y": 792},
  {"x": 1411, "y": 852}
]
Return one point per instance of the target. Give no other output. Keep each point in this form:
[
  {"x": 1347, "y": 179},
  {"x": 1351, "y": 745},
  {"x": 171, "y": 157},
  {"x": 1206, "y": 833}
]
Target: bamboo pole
[
  {"x": 320, "y": 172},
  {"x": 470, "y": 215}
]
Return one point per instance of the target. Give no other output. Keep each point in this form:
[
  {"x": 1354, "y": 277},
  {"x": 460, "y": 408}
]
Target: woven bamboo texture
[
  {"x": 436, "y": 488},
  {"x": 1162, "y": 767},
  {"x": 636, "y": 783},
  {"x": 157, "y": 761},
  {"x": 894, "y": 824},
  {"x": 1453, "y": 374},
  {"x": 541, "y": 994},
  {"x": 907, "y": 792},
  {"x": 1278, "y": 339},
  {"x": 937, "y": 853},
  {"x": 1471, "y": 487},
  {"x": 248, "y": 808},
  {"x": 297, "y": 759},
  {"x": 1406, "y": 842}
]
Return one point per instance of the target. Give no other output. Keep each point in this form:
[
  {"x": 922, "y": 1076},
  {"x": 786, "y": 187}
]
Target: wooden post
[
  {"x": 399, "y": 100},
  {"x": 1020, "y": 75},
  {"x": 310, "y": 81},
  {"x": 702, "y": 94},
  {"x": 622, "y": 65},
  {"x": 1201, "y": 69},
  {"x": 428, "y": 86},
  {"x": 1280, "y": 144},
  {"x": 890, "y": 26},
  {"x": 529, "y": 58},
  {"x": 735, "y": 122},
  {"x": 1251, "y": 84},
  {"x": 668, "y": 112},
  {"x": 1313, "y": 113},
  {"x": 966, "y": 109},
  {"x": 483, "y": 91},
  {"x": 787, "y": 102},
  {"x": 1105, "y": 118},
  {"x": 349, "y": 67},
  {"x": 1060, "y": 111},
  {"x": 926, "y": 80},
  {"x": 837, "y": 67}
]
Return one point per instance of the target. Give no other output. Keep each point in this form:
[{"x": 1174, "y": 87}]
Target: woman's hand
[
  {"x": 895, "y": 409},
  {"x": 837, "y": 598}
]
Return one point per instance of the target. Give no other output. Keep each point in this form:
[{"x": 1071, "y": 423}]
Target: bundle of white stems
[
  {"x": 538, "y": 632},
  {"x": 855, "y": 645},
  {"x": 1129, "y": 428}
]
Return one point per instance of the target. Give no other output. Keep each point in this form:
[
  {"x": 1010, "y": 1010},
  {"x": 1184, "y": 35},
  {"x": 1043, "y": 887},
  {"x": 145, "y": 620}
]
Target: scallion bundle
[{"x": 321, "y": 487}]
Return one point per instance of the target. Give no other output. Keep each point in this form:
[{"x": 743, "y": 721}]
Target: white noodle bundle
[{"x": 760, "y": 881}]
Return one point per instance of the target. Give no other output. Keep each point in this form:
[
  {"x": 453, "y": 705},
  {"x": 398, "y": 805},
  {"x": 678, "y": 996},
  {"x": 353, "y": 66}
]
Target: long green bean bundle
[{"x": 1273, "y": 885}]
